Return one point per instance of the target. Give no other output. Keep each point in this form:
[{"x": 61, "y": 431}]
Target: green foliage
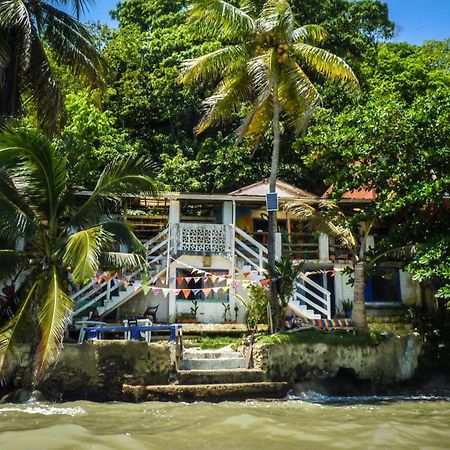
[
  {"x": 64, "y": 232},
  {"x": 256, "y": 306},
  {"x": 329, "y": 338}
]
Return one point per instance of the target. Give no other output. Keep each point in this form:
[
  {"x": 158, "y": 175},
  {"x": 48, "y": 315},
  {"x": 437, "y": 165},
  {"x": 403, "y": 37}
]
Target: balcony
[{"x": 202, "y": 238}]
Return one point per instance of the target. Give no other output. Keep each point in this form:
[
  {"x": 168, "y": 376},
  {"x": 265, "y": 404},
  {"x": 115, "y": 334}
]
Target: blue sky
[{"x": 417, "y": 20}]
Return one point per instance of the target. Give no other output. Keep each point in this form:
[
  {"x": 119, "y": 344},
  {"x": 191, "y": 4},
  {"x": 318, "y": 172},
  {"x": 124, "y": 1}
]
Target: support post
[{"x": 324, "y": 247}]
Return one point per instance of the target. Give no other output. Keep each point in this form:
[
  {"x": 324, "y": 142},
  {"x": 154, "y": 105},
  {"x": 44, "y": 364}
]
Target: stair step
[
  {"x": 220, "y": 376},
  {"x": 210, "y": 354},
  {"x": 209, "y": 392},
  {"x": 213, "y": 364}
]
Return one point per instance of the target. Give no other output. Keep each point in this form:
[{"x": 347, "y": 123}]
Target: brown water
[{"x": 373, "y": 424}]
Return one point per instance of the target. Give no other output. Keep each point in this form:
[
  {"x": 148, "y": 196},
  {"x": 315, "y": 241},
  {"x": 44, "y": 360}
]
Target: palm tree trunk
[
  {"x": 275, "y": 307},
  {"x": 359, "y": 317},
  {"x": 9, "y": 76}
]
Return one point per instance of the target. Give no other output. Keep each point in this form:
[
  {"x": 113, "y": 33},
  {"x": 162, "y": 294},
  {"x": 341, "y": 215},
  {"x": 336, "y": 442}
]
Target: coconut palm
[
  {"x": 328, "y": 218},
  {"x": 64, "y": 230},
  {"x": 264, "y": 61},
  {"x": 28, "y": 30}
]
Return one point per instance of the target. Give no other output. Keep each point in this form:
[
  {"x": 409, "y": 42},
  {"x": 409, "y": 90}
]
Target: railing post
[
  {"x": 324, "y": 247},
  {"x": 328, "y": 306},
  {"x": 168, "y": 251},
  {"x": 108, "y": 290}
]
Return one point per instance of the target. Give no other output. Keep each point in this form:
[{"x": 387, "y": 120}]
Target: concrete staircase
[{"x": 210, "y": 375}]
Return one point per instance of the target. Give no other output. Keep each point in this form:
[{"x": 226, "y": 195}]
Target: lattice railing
[{"x": 203, "y": 238}]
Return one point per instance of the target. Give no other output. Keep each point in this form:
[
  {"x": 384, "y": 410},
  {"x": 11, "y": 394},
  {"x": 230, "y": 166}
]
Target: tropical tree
[
  {"x": 266, "y": 60},
  {"x": 64, "y": 232},
  {"x": 328, "y": 218},
  {"x": 28, "y": 31}
]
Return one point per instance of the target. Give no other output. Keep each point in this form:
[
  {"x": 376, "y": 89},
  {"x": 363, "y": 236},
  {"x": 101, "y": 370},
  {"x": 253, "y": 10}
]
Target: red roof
[{"x": 357, "y": 194}]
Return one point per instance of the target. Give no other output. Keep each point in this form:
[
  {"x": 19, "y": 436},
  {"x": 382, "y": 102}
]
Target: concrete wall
[
  {"x": 96, "y": 370},
  {"x": 393, "y": 360}
]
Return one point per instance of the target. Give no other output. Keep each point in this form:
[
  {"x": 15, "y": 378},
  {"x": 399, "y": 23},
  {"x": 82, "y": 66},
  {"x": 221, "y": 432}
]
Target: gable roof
[{"x": 284, "y": 190}]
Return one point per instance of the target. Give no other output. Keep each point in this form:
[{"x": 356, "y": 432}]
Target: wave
[{"x": 43, "y": 409}]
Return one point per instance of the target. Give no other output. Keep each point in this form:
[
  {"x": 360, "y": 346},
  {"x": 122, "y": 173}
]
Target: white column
[
  {"x": 171, "y": 296},
  {"x": 123, "y": 248},
  {"x": 174, "y": 211},
  {"x": 278, "y": 246},
  {"x": 20, "y": 244},
  {"x": 324, "y": 248},
  {"x": 227, "y": 212}
]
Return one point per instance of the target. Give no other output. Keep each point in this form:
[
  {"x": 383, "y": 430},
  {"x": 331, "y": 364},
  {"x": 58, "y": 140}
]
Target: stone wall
[
  {"x": 96, "y": 370},
  {"x": 393, "y": 360}
]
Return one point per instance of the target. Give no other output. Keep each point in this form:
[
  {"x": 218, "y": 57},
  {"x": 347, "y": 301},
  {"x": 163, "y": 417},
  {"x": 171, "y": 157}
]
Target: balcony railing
[{"x": 202, "y": 238}]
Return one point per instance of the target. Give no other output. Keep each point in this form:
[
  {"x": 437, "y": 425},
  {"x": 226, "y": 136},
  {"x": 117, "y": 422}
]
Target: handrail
[
  {"x": 250, "y": 239},
  {"x": 250, "y": 262},
  {"x": 312, "y": 304},
  {"x": 312, "y": 293},
  {"x": 246, "y": 247},
  {"x": 83, "y": 289},
  {"x": 313, "y": 283},
  {"x": 157, "y": 237}
]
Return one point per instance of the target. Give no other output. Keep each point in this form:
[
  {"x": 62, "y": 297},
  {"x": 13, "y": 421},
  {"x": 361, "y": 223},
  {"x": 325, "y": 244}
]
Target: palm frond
[
  {"x": 123, "y": 234},
  {"x": 78, "y": 7},
  {"x": 11, "y": 262},
  {"x": 212, "y": 65},
  {"x": 276, "y": 17},
  {"x": 14, "y": 15},
  {"x": 401, "y": 252},
  {"x": 122, "y": 176},
  {"x": 309, "y": 34},
  {"x": 220, "y": 18},
  {"x": 225, "y": 101},
  {"x": 53, "y": 318},
  {"x": 73, "y": 45},
  {"x": 327, "y": 219},
  {"x": 83, "y": 250},
  {"x": 15, "y": 335},
  {"x": 37, "y": 168},
  {"x": 123, "y": 261},
  {"x": 325, "y": 63}
]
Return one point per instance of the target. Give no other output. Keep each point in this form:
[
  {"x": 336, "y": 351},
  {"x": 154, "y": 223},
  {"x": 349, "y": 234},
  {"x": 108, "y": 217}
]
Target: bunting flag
[
  {"x": 146, "y": 289},
  {"x": 186, "y": 292}
]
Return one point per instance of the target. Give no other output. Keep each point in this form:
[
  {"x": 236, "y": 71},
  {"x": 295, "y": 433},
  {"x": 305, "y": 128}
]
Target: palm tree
[
  {"x": 63, "y": 232},
  {"x": 328, "y": 218},
  {"x": 28, "y": 30},
  {"x": 264, "y": 62}
]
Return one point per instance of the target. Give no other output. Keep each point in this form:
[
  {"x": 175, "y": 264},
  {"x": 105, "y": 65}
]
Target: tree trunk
[
  {"x": 359, "y": 317},
  {"x": 272, "y": 227},
  {"x": 10, "y": 105}
]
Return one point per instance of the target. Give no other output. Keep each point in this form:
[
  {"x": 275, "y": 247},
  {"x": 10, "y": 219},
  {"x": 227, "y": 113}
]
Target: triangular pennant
[
  {"x": 176, "y": 291},
  {"x": 236, "y": 284},
  {"x": 99, "y": 280},
  {"x": 126, "y": 283},
  {"x": 215, "y": 289},
  {"x": 206, "y": 291},
  {"x": 197, "y": 279},
  {"x": 225, "y": 288},
  {"x": 163, "y": 280},
  {"x": 180, "y": 281},
  {"x": 221, "y": 279},
  {"x": 156, "y": 291},
  {"x": 214, "y": 278},
  {"x": 265, "y": 282},
  {"x": 186, "y": 292},
  {"x": 165, "y": 291},
  {"x": 188, "y": 279},
  {"x": 196, "y": 291},
  {"x": 245, "y": 274},
  {"x": 145, "y": 289}
]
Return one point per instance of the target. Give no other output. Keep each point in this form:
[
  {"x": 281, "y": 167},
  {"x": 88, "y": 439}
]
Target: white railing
[
  {"x": 93, "y": 293},
  {"x": 252, "y": 252},
  {"x": 306, "y": 292}
]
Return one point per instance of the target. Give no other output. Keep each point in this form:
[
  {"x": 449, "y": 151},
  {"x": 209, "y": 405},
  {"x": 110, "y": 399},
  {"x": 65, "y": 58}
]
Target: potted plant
[
  {"x": 227, "y": 313},
  {"x": 347, "y": 306},
  {"x": 189, "y": 317}
]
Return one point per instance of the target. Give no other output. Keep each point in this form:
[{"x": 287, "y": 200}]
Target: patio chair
[{"x": 151, "y": 312}]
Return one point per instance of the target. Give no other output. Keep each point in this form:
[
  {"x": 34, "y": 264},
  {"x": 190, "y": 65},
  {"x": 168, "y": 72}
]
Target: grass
[
  {"x": 329, "y": 338},
  {"x": 214, "y": 342}
]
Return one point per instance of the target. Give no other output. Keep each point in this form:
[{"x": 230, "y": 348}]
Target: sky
[{"x": 416, "y": 20}]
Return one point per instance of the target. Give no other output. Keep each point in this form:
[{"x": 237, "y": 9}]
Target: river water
[{"x": 310, "y": 423}]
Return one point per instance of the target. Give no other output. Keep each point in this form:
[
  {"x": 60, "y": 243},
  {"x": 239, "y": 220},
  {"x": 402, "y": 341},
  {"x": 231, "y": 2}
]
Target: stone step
[
  {"x": 205, "y": 392},
  {"x": 210, "y": 354},
  {"x": 213, "y": 364},
  {"x": 220, "y": 376}
]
